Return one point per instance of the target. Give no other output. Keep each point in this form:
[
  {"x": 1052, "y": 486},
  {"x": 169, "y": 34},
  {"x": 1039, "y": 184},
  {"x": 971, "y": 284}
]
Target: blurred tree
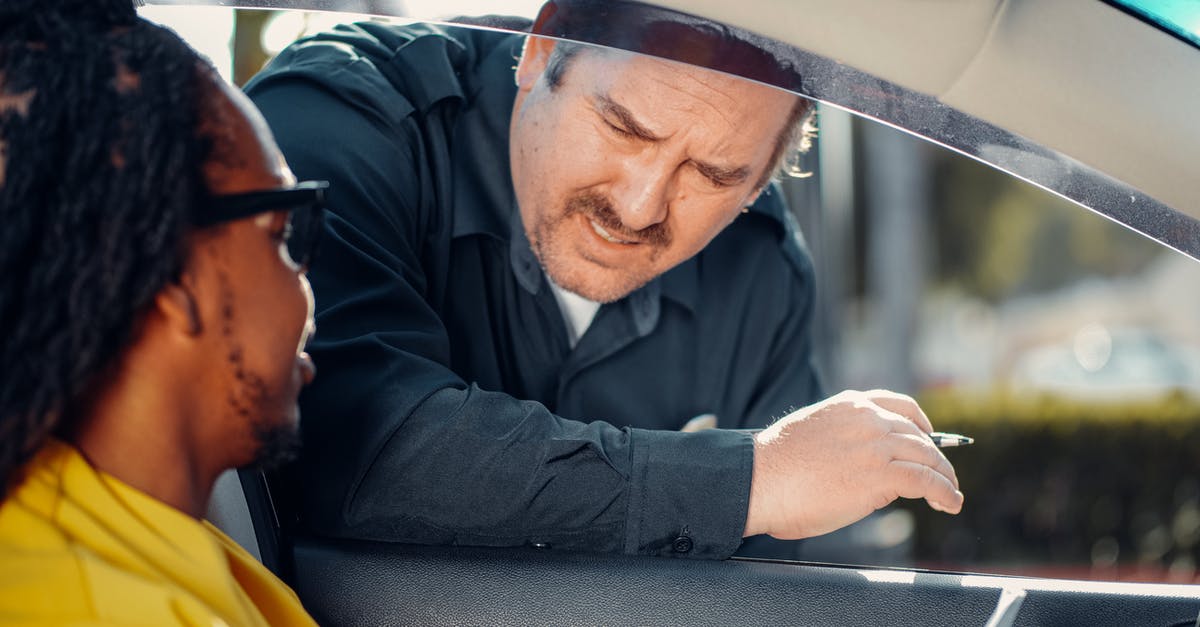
[{"x": 998, "y": 237}]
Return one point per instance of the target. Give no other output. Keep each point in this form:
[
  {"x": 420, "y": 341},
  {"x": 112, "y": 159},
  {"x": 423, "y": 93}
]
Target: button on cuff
[{"x": 682, "y": 544}]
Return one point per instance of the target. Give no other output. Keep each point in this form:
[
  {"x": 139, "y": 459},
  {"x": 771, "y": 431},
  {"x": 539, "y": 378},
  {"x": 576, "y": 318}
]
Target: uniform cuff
[{"x": 690, "y": 493}]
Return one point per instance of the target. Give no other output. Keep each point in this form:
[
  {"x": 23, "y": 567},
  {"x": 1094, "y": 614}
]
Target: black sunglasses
[{"x": 305, "y": 202}]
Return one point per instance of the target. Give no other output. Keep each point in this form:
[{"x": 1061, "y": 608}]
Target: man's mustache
[{"x": 599, "y": 208}]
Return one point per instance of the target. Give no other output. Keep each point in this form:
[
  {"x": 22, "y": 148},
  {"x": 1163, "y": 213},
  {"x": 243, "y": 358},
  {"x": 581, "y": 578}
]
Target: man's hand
[{"x": 830, "y": 464}]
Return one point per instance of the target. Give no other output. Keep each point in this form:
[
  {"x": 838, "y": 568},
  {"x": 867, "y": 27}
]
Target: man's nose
[{"x": 641, "y": 197}]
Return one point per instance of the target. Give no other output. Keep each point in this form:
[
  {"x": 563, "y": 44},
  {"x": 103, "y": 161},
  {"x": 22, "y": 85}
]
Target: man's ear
[
  {"x": 543, "y": 17},
  {"x": 534, "y": 56},
  {"x": 176, "y": 303}
]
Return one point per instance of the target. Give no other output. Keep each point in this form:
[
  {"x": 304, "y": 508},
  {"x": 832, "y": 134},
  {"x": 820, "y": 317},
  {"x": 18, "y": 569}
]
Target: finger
[
  {"x": 892, "y": 422},
  {"x": 903, "y": 405},
  {"x": 915, "y": 481},
  {"x": 920, "y": 450}
]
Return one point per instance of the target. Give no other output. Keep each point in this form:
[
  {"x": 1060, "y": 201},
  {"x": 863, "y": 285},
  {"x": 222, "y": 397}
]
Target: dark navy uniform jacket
[{"x": 449, "y": 407}]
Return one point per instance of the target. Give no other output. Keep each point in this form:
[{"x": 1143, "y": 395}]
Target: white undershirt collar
[{"x": 578, "y": 312}]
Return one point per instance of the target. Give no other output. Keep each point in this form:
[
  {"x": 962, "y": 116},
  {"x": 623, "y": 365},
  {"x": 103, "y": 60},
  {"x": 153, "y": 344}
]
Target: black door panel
[{"x": 359, "y": 583}]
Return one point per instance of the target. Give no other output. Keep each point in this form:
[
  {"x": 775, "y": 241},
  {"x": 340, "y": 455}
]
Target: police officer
[{"x": 532, "y": 277}]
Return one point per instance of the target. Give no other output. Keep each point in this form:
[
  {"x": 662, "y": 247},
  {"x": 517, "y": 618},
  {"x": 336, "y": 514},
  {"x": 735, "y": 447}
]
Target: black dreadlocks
[{"x": 100, "y": 171}]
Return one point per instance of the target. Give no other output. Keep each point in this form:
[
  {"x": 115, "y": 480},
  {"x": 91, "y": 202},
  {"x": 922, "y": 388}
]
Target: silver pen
[{"x": 945, "y": 440}]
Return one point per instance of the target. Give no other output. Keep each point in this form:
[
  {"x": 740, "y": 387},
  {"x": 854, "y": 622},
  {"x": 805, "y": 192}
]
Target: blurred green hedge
[{"x": 1057, "y": 482}]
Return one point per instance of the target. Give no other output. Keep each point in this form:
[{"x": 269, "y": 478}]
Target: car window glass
[{"x": 1066, "y": 343}]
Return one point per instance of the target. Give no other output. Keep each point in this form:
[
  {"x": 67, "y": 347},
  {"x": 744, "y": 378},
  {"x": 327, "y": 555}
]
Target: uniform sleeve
[{"x": 398, "y": 447}]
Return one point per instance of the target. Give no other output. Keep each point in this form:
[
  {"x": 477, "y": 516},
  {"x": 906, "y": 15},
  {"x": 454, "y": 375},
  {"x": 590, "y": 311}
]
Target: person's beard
[
  {"x": 278, "y": 444},
  {"x": 598, "y": 208},
  {"x": 276, "y": 435}
]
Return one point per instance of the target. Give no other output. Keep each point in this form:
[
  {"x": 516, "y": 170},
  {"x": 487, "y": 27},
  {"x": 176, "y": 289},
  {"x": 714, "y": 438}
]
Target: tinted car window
[{"x": 1064, "y": 342}]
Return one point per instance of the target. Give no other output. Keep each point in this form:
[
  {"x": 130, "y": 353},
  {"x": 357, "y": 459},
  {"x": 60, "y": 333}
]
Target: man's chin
[
  {"x": 598, "y": 293},
  {"x": 595, "y": 283},
  {"x": 278, "y": 445}
]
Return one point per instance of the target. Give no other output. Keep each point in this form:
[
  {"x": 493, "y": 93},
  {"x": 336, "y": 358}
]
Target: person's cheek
[{"x": 582, "y": 153}]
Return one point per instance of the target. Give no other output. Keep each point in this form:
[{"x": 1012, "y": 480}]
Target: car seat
[{"x": 241, "y": 506}]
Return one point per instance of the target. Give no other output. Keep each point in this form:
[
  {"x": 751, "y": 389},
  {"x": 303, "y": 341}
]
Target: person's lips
[{"x": 607, "y": 236}]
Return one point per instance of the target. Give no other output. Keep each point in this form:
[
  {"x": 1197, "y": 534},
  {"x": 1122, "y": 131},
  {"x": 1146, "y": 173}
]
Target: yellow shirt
[{"x": 79, "y": 547}]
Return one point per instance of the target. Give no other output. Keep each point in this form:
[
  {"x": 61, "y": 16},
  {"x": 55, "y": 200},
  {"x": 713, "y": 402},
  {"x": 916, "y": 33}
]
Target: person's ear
[
  {"x": 534, "y": 56},
  {"x": 176, "y": 303},
  {"x": 543, "y": 17}
]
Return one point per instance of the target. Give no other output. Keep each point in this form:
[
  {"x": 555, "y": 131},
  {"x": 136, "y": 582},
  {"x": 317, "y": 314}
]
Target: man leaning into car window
[
  {"x": 153, "y": 322},
  {"x": 533, "y": 278}
]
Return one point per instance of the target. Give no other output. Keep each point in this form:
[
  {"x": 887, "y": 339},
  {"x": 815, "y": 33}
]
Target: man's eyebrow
[
  {"x": 725, "y": 177},
  {"x": 720, "y": 175},
  {"x": 625, "y": 116}
]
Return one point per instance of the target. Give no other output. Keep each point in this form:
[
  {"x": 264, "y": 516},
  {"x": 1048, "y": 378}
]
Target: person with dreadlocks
[{"x": 154, "y": 321}]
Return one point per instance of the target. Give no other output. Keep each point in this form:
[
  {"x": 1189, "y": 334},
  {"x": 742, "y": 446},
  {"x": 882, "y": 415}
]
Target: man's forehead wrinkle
[
  {"x": 627, "y": 117},
  {"x": 714, "y": 83},
  {"x": 660, "y": 74},
  {"x": 693, "y": 98},
  {"x": 639, "y": 117},
  {"x": 711, "y": 168},
  {"x": 705, "y": 85},
  {"x": 692, "y": 93},
  {"x": 717, "y": 145}
]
